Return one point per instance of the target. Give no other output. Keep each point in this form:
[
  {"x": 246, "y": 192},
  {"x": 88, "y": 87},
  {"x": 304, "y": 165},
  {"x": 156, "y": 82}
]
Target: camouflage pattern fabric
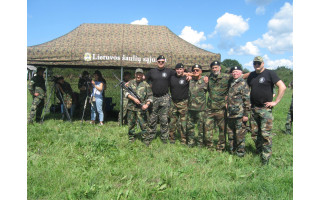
[
  {"x": 178, "y": 120},
  {"x": 37, "y": 85},
  {"x": 160, "y": 109},
  {"x": 261, "y": 133},
  {"x": 238, "y": 105},
  {"x": 236, "y": 130},
  {"x": 218, "y": 117},
  {"x": 116, "y": 45},
  {"x": 135, "y": 117},
  {"x": 143, "y": 90},
  {"x": 197, "y": 94},
  {"x": 218, "y": 89},
  {"x": 289, "y": 118},
  {"x": 238, "y": 101},
  {"x": 196, "y": 110},
  {"x": 36, "y": 109},
  {"x": 193, "y": 118},
  {"x": 135, "y": 113},
  {"x": 125, "y": 110}
]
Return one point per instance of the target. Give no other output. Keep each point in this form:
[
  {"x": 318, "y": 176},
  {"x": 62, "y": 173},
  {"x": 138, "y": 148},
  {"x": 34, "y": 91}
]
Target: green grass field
[{"x": 83, "y": 161}]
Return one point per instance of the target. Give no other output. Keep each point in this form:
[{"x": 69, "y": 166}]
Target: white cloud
[
  {"x": 248, "y": 49},
  {"x": 142, "y": 21},
  {"x": 261, "y": 5},
  {"x": 230, "y": 25},
  {"x": 205, "y": 46},
  {"x": 278, "y": 39},
  {"x": 272, "y": 64},
  {"x": 194, "y": 37},
  {"x": 260, "y": 10}
]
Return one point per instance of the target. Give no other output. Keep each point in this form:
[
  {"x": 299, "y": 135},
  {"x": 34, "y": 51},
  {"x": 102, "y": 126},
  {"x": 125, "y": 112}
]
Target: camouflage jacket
[
  {"x": 218, "y": 90},
  {"x": 197, "y": 94},
  {"x": 143, "y": 90},
  {"x": 238, "y": 101},
  {"x": 37, "y": 85}
]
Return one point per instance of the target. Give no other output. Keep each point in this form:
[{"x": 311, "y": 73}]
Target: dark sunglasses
[
  {"x": 196, "y": 70},
  {"x": 256, "y": 63},
  {"x": 161, "y": 62}
]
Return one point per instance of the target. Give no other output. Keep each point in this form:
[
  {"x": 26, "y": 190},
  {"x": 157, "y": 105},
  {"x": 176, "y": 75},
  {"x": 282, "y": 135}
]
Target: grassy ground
[{"x": 83, "y": 161}]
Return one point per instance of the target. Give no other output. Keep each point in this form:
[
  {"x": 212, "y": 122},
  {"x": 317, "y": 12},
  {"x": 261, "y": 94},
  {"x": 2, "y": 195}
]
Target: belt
[
  {"x": 161, "y": 95},
  {"x": 178, "y": 100}
]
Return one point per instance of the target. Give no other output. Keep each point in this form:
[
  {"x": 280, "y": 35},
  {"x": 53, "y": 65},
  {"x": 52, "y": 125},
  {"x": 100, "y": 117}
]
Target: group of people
[
  {"x": 91, "y": 94},
  {"x": 179, "y": 100}
]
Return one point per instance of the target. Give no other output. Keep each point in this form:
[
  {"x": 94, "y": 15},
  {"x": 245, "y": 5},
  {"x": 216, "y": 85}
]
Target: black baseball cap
[
  {"x": 215, "y": 63},
  {"x": 196, "y": 66},
  {"x": 235, "y": 68},
  {"x": 179, "y": 65},
  {"x": 160, "y": 57}
]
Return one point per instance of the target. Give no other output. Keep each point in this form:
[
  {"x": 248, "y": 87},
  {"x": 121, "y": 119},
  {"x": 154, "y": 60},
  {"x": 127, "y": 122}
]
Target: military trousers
[
  {"x": 215, "y": 116},
  {"x": 36, "y": 109},
  {"x": 289, "y": 119},
  {"x": 193, "y": 118},
  {"x": 261, "y": 133},
  {"x": 236, "y": 130},
  {"x": 160, "y": 110},
  {"x": 178, "y": 120},
  {"x": 135, "y": 117}
]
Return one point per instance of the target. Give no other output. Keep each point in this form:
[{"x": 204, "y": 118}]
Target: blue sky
[{"x": 237, "y": 29}]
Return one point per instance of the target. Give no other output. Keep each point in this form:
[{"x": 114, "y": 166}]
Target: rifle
[{"x": 122, "y": 84}]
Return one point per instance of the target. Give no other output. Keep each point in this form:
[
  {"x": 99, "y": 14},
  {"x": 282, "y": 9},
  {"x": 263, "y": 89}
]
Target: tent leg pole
[{"x": 121, "y": 99}]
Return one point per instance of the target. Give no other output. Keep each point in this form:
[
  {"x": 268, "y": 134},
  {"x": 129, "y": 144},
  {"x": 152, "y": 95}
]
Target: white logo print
[
  {"x": 164, "y": 75},
  {"x": 261, "y": 80},
  {"x": 87, "y": 56},
  {"x": 181, "y": 82}
]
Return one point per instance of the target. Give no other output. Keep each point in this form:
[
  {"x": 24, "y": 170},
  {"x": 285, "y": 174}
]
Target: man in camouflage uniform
[
  {"x": 289, "y": 118},
  {"x": 218, "y": 89},
  {"x": 196, "y": 107},
  {"x": 37, "y": 89},
  {"x": 126, "y": 79},
  {"x": 137, "y": 109},
  {"x": 238, "y": 107},
  {"x": 159, "y": 79},
  {"x": 261, "y": 82},
  {"x": 179, "y": 88}
]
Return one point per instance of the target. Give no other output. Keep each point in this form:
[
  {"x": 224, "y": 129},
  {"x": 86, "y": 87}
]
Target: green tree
[
  {"x": 228, "y": 63},
  {"x": 285, "y": 74}
]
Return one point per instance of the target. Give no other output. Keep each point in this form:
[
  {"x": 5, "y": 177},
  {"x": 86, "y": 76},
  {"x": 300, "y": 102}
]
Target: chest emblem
[
  {"x": 181, "y": 82},
  {"x": 262, "y": 80},
  {"x": 164, "y": 75}
]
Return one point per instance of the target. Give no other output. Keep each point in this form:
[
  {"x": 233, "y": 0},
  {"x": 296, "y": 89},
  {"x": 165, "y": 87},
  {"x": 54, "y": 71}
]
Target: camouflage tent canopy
[{"x": 118, "y": 45}]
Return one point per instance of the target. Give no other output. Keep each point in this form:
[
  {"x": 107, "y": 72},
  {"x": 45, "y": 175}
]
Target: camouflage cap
[
  {"x": 258, "y": 59},
  {"x": 235, "y": 68},
  {"x": 139, "y": 70}
]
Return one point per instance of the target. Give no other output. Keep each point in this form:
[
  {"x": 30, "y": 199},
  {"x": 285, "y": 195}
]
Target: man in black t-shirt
[
  {"x": 261, "y": 83},
  {"x": 159, "y": 79},
  {"x": 179, "y": 89}
]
